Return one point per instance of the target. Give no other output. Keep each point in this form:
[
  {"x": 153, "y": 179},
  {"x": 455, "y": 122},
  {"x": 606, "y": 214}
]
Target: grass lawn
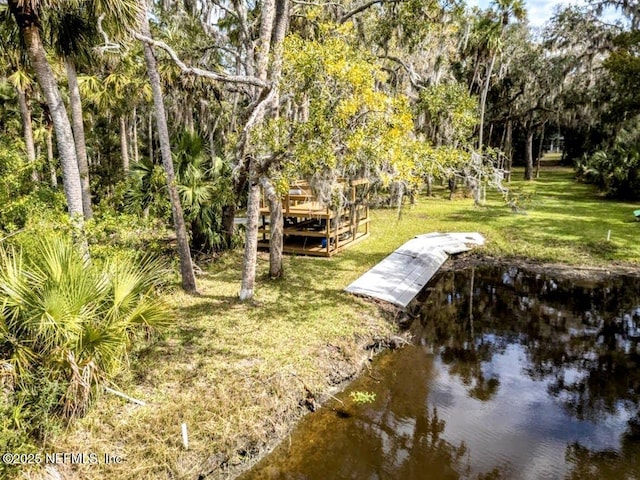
[
  {"x": 563, "y": 221},
  {"x": 239, "y": 375}
]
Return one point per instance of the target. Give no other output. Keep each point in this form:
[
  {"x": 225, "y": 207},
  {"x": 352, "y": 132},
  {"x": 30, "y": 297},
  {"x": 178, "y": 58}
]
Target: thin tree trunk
[
  {"x": 399, "y": 197},
  {"x": 528, "y": 155},
  {"x": 508, "y": 149},
  {"x": 124, "y": 147},
  {"x": 502, "y": 138},
  {"x": 27, "y": 129},
  {"x": 186, "y": 266},
  {"x": 483, "y": 100},
  {"x": 266, "y": 30},
  {"x": 27, "y": 20},
  {"x": 276, "y": 227},
  {"x": 150, "y": 136},
  {"x": 134, "y": 141},
  {"x": 250, "y": 257},
  {"x": 38, "y": 152},
  {"x": 540, "y": 146},
  {"x": 77, "y": 125},
  {"x": 50, "y": 161}
]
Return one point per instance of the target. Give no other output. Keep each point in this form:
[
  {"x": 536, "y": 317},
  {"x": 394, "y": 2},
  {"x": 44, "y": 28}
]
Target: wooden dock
[
  {"x": 401, "y": 276},
  {"x": 311, "y": 228}
]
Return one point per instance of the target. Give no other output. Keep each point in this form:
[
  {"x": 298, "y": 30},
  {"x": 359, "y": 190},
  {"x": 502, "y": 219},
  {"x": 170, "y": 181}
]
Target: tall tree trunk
[
  {"x": 528, "y": 155},
  {"x": 186, "y": 266},
  {"x": 134, "y": 136},
  {"x": 50, "y": 161},
  {"x": 276, "y": 227},
  {"x": 27, "y": 130},
  {"x": 483, "y": 100},
  {"x": 508, "y": 148},
  {"x": 124, "y": 147},
  {"x": 540, "y": 147},
  {"x": 77, "y": 125},
  {"x": 276, "y": 220},
  {"x": 250, "y": 257},
  {"x": 27, "y": 20}
]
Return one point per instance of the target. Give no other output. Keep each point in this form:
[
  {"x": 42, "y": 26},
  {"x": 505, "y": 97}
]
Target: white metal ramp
[{"x": 399, "y": 278}]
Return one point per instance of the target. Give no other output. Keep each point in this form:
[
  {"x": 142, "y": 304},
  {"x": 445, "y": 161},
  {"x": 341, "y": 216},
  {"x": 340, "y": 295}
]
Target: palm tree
[
  {"x": 72, "y": 33},
  {"x": 71, "y": 319},
  {"x": 28, "y": 16},
  {"x": 23, "y": 84},
  {"x": 494, "y": 33},
  {"x": 18, "y": 76},
  {"x": 184, "y": 252}
]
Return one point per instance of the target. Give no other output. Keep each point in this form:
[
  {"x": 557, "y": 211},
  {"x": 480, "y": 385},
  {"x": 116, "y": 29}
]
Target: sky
[{"x": 539, "y": 11}]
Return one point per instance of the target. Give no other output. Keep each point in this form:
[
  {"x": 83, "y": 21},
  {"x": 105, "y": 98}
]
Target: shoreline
[
  {"x": 580, "y": 271},
  {"x": 242, "y": 399},
  {"x": 466, "y": 260}
]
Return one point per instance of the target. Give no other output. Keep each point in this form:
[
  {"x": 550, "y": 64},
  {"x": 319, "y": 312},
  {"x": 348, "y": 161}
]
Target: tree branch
[
  {"x": 363, "y": 7},
  {"x": 267, "y": 95},
  {"x": 108, "y": 46},
  {"x": 317, "y": 4},
  {"x": 414, "y": 78},
  {"x": 242, "y": 79}
]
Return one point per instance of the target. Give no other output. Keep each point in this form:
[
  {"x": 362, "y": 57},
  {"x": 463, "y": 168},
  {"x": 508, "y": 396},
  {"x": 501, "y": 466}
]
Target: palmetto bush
[
  {"x": 204, "y": 184},
  {"x": 616, "y": 168},
  {"x": 205, "y": 187},
  {"x": 66, "y": 321}
]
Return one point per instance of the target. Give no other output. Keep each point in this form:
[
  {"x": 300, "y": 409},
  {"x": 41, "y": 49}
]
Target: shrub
[
  {"x": 204, "y": 184},
  {"x": 69, "y": 324},
  {"x": 615, "y": 169},
  {"x": 21, "y": 200}
]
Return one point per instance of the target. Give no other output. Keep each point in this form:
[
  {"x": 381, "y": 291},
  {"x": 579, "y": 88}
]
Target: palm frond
[{"x": 74, "y": 320}]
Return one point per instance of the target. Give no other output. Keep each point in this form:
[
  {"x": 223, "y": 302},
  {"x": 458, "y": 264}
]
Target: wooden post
[
  {"x": 328, "y": 234},
  {"x": 185, "y": 436},
  {"x": 335, "y": 230}
]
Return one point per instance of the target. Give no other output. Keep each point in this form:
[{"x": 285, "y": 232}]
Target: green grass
[
  {"x": 563, "y": 221},
  {"x": 234, "y": 372},
  {"x": 237, "y": 373}
]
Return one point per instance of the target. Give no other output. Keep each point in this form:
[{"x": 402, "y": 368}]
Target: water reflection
[{"x": 512, "y": 375}]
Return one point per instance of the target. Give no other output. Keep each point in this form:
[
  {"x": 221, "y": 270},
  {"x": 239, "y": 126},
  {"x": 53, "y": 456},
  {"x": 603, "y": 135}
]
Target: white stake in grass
[
  {"x": 608, "y": 235},
  {"x": 185, "y": 436}
]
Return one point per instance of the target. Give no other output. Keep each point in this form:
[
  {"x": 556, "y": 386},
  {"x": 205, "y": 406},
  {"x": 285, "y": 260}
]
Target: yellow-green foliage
[
  {"x": 451, "y": 112},
  {"x": 437, "y": 162},
  {"x": 337, "y": 117}
]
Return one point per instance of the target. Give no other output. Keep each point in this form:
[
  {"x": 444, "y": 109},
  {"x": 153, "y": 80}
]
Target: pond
[{"x": 511, "y": 375}]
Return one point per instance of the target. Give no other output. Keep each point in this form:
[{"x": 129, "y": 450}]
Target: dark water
[{"x": 512, "y": 376}]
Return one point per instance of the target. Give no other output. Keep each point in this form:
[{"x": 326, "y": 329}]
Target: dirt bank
[{"x": 595, "y": 273}]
